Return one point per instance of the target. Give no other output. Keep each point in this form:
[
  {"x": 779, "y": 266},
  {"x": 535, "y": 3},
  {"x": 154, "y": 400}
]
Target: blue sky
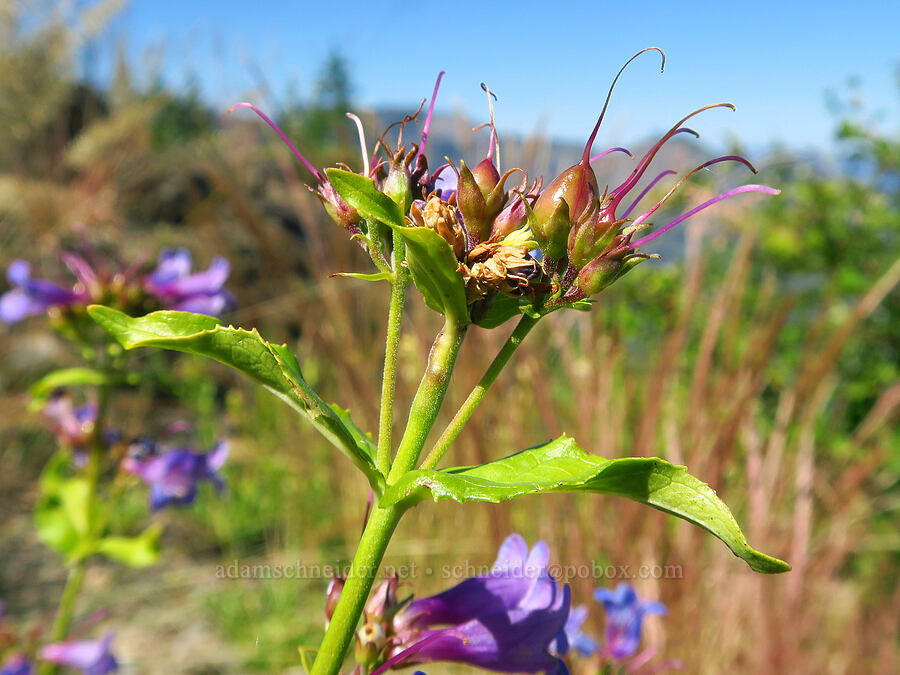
[{"x": 549, "y": 62}]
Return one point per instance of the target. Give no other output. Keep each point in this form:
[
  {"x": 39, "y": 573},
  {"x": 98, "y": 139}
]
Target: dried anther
[
  {"x": 495, "y": 266},
  {"x": 440, "y": 216}
]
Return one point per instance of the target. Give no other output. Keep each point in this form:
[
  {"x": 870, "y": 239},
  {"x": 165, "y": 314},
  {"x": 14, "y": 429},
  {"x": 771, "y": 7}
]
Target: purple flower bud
[
  {"x": 624, "y": 619},
  {"x": 568, "y": 200},
  {"x": 383, "y": 602},
  {"x": 371, "y": 640},
  {"x": 601, "y": 272},
  {"x": 17, "y": 664},
  {"x": 342, "y": 213},
  {"x": 93, "y": 657},
  {"x": 399, "y": 182},
  {"x": 515, "y": 214},
  {"x": 173, "y": 475},
  {"x": 29, "y": 297},
  {"x": 480, "y": 202},
  {"x": 201, "y": 292},
  {"x": 486, "y": 176},
  {"x": 332, "y": 595},
  {"x": 588, "y": 240}
]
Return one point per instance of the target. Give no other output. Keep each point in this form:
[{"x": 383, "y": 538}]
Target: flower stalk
[
  {"x": 429, "y": 397},
  {"x": 341, "y": 629},
  {"x": 455, "y": 426},
  {"x": 75, "y": 579},
  {"x": 399, "y": 282}
]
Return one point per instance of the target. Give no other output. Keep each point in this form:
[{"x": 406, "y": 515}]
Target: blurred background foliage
[{"x": 764, "y": 352}]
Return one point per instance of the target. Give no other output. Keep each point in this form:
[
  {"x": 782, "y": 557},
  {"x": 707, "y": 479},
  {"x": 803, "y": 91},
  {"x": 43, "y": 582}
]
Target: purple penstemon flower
[
  {"x": 16, "y": 664},
  {"x": 93, "y": 657},
  {"x": 173, "y": 284},
  {"x": 506, "y": 620},
  {"x": 173, "y": 475},
  {"x": 72, "y": 425},
  {"x": 578, "y": 640},
  {"x": 29, "y": 297},
  {"x": 625, "y": 613}
]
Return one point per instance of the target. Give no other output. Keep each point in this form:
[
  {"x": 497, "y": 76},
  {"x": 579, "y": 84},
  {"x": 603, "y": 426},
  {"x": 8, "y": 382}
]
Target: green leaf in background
[
  {"x": 430, "y": 258},
  {"x": 62, "y": 516},
  {"x": 66, "y": 377},
  {"x": 273, "y": 366},
  {"x": 562, "y": 466},
  {"x": 140, "y": 551}
]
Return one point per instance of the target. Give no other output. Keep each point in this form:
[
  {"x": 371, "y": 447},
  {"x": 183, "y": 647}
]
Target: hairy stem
[
  {"x": 361, "y": 575},
  {"x": 67, "y": 601},
  {"x": 392, "y": 347},
  {"x": 526, "y": 323},
  {"x": 429, "y": 397},
  {"x": 382, "y": 521}
]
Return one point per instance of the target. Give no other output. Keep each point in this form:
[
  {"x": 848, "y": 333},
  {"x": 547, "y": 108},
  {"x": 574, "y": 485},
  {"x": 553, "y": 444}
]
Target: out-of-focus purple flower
[
  {"x": 624, "y": 618},
  {"x": 34, "y": 296},
  {"x": 177, "y": 288},
  {"x": 505, "y": 620},
  {"x": 577, "y": 639},
  {"x": 17, "y": 664},
  {"x": 174, "y": 474},
  {"x": 73, "y": 426},
  {"x": 93, "y": 657}
]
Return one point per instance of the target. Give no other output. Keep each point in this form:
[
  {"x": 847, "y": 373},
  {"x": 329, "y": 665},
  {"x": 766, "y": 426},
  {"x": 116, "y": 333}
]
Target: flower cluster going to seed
[{"x": 555, "y": 245}]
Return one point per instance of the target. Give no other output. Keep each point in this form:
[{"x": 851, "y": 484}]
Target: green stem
[
  {"x": 389, "y": 380},
  {"x": 67, "y": 601},
  {"x": 75, "y": 579},
  {"x": 526, "y": 323},
  {"x": 429, "y": 397},
  {"x": 359, "y": 581},
  {"x": 381, "y": 524}
]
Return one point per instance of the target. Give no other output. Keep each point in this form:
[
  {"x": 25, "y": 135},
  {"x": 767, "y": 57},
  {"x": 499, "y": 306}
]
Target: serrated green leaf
[
  {"x": 431, "y": 261},
  {"x": 65, "y": 377},
  {"x": 562, "y": 466},
  {"x": 273, "y": 366},
  {"x": 140, "y": 551}
]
